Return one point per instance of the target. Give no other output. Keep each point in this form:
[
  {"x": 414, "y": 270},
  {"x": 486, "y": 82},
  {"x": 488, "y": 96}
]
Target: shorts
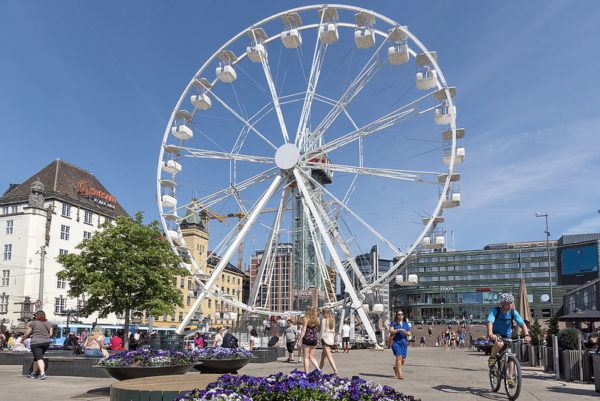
[
  {"x": 345, "y": 339},
  {"x": 310, "y": 343},
  {"x": 290, "y": 347},
  {"x": 325, "y": 344},
  {"x": 38, "y": 350}
]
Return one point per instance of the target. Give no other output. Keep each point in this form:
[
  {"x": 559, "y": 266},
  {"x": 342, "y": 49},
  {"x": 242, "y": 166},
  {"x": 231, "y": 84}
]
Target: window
[
  {"x": 81, "y": 303},
  {"x": 60, "y": 304},
  {"x": 66, "y": 210},
  {"x": 61, "y": 283},
  {"x": 188, "y": 301},
  {"x": 7, "y": 251},
  {"x": 64, "y": 232},
  {"x": 63, "y": 252},
  {"x": 182, "y": 282},
  {"x": 189, "y": 285},
  {"x": 9, "y": 227},
  {"x": 87, "y": 235},
  {"x": 14, "y": 209},
  {"x": 173, "y": 316},
  {"x": 87, "y": 217},
  {"x": 180, "y": 316},
  {"x": 5, "y": 278},
  {"x": 3, "y": 303},
  {"x": 4, "y": 209}
]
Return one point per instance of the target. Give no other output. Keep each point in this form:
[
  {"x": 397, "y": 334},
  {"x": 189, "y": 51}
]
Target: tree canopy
[{"x": 125, "y": 266}]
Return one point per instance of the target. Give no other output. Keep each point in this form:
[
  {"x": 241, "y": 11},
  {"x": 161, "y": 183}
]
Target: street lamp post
[{"x": 537, "y": 214}]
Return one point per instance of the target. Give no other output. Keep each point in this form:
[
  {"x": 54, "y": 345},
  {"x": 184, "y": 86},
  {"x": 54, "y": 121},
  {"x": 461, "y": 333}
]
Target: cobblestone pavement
[{"x": 429, "y": 373}]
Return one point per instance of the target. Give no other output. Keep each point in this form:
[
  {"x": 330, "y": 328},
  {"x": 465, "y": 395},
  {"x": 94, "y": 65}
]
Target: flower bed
[
  {"x": 220, "y": 353},
  {"x": 147, "y": 357},
  {"x": 294, "y": 386}
]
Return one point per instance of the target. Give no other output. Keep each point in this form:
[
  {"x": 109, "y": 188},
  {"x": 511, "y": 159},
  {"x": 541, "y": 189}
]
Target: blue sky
[{"x": 94, "y": 83}]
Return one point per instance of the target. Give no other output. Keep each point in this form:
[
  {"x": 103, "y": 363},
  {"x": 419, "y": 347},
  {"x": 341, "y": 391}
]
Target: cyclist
[{"x": 499, "y": 324}]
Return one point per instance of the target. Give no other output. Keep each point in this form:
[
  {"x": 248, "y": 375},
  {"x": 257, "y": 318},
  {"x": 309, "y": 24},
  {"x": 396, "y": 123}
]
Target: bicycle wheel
[
  {"x": 512, "y": 383},
  {"x": 495, "y": 376}
]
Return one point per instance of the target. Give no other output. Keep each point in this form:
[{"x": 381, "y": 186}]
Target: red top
[{"x": 116, "y": 343}]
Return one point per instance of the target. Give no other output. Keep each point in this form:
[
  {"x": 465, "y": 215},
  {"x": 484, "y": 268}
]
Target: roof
[
  {"x": 586, "y": 315},
  {"x": 213, "y": 260},
  {"x": 575, "y": 238},
  {"x": 65, "y": 181}
]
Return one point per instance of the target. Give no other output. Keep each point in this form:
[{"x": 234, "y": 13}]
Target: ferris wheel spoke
[
  {"x": 397, "y": 116},
  {"x": 357, "y": 303},
  {"x": 372, "y": 66},
  {"x": 265, "y": 64},
  {"x": 224, "y": 261},
  {"x": 315, "y": 72},
  {"x": 271, "y": 244},
  {"x": 208, "y": 201},
  {"x": 407, "y": 175},
  {"x": 242, "y": 119},
  {"x": 343, "y": 205},
  {"x": 211, "y": 154}
]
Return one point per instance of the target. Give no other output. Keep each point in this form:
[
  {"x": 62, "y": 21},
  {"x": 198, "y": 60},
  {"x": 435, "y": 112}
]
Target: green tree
[
  {"x": 536, "y": 332},
  {"x": 125, "y": 266},
  {"x": 552, "y": 330}
]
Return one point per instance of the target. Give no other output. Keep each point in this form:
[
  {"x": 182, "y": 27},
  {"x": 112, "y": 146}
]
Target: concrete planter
[
  {"x": 221, "y": 365},
  {"x": 569, "y": 365},
  {"x": 548, "y": 360},
  {"x": 135, "y": 372},
  {"x": 596, "y": 365},
  {"x": 535, "y": 355}
]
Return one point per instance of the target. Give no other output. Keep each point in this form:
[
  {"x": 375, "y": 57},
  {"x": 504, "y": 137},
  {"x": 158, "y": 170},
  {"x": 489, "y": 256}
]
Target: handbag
[{"x": 390, "y": 340}]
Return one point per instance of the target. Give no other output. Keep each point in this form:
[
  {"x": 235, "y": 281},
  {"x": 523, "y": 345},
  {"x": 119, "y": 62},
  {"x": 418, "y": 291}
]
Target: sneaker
[
  {"x": 491, "y": 361},
  {"x": 511, "y": 383},
  {"x": 41, "y": 377},
  {"x": 32, "y": 376}
]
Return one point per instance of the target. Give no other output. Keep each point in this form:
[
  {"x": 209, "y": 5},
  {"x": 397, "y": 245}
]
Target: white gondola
[
  {"x": 256, "y": 52},
  {"x": 452, "y": 201},
  {"x": 328, "y": 34},
  {"x": 291, "y": 38},
  {"x": 460, "y": 155},
  {"x": 182, "y": 132},
  {"x": 201, "y": 101},
  {"x": 169, "y": 201},
  {"x": 399, "y": 279},
  {"x": 426, "y": 242},
  {"x": 226, "y": 73},
  {"x": 366, "y": 307},
  {"x": 413, "y": 278},
  {"x": 171, "y": 166},
  {"x": 442, "y": 115},
  {"x": 398, "y": 54},
  {"x": 364, "y": 38},
  {"x": 171, "y": 216},
  {"x": 447, "y": 135},
  {"x": 426, "y": 79},
  {"x": 174, "y": 235},
  {"x": 378, "y": 308}
]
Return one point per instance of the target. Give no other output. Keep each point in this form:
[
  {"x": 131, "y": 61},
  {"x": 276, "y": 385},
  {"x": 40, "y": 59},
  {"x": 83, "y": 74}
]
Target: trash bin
[{"x": 596, "y": 361}]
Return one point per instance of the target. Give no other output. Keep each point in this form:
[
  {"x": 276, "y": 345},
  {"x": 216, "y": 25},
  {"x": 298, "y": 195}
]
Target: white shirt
[{"x": 346, "y": 330}]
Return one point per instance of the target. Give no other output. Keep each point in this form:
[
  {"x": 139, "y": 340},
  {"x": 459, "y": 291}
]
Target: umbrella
[{"x": 523, "y": 302}]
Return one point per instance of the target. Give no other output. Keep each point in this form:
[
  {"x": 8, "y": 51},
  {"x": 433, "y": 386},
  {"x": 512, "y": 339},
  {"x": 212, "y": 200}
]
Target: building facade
[
  {"x": 466, "y": 284},
  {"x": 47, "y": 215},
  {"x": 278, "y": 296}
]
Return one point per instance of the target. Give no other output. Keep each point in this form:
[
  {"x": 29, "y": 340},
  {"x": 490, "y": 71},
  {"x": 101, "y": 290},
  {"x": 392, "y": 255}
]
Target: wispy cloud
[{"x": 589, "y": 225}]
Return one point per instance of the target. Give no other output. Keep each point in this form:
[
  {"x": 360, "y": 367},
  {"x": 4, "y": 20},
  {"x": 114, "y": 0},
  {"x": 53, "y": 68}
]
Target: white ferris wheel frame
[{"x": 445, "y": 178}]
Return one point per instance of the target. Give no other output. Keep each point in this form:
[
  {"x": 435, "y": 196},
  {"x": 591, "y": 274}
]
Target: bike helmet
[{"x": 507, "y": 297}]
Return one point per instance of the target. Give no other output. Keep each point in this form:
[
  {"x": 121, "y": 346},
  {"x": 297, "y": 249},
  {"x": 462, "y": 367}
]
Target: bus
[{"x": 60, "y": 331}]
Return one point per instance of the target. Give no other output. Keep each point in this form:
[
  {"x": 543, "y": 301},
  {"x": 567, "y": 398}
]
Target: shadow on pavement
[
  {"x": 479, "y": 392},
  {"x": 95, "y": 392},
  {"x": 574, "y": 391},
  {"x": 390, "y": 376}
]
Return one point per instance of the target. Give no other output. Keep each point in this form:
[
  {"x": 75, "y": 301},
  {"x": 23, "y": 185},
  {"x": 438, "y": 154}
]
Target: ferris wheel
[{"x": 325, "y": 128}]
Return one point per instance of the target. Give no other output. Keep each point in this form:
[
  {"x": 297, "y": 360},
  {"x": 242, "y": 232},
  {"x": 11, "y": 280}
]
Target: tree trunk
[{"x": 126, "y": 333}]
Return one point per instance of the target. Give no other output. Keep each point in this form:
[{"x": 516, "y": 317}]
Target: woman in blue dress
[{"x": 401, "y": 331}]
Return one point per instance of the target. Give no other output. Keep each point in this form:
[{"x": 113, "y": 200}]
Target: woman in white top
[
  {"x": 254, "y": 342},
  {"x": 327, "y": 339}
]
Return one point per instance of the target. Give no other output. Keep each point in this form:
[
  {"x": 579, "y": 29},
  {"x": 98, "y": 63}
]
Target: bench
[{"x": 65, "y": 365}]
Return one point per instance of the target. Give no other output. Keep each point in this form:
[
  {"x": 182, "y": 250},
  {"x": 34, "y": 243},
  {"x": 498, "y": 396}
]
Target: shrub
[{"x": 568, "y": 339}]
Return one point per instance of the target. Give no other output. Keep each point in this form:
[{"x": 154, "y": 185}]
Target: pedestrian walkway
[{"x": 429, "y": 374}]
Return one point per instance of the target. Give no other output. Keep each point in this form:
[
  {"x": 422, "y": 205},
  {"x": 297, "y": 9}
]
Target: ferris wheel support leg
[
  {"x": 356, "y": 302},
  {"x": 232, "y": 248}
]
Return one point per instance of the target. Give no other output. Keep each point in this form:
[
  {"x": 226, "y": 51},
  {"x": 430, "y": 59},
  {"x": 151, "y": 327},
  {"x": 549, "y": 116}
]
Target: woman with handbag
[
  {"x": 327, "y": 339},
  {"x": 401, "y": 330},
  {"x": 309, "y": 333}
]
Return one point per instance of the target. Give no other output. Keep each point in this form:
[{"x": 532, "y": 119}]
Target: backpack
[{"x": 512, "y": 315}]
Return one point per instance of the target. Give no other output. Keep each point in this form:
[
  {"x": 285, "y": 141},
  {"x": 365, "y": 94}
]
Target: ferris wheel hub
[{"x": 287, "y": 156}]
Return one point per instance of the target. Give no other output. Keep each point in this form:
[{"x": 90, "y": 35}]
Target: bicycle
[{"x": 501, "y": 369}]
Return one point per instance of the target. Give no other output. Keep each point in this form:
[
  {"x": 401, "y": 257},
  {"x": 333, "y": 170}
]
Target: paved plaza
[{"x": 430, "y": 374}]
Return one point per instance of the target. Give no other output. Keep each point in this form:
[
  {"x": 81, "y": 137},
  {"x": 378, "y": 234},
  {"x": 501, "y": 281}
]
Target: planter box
[
  {"x": 596, "y": 364},
  {"x": 588, "y": 367},
  {"x": 548, "y": 359},
  {"x": 135, "y": 372},
  {"x": 65, "y": 365},
  {"x": 523, "y": 352},
  {"x": 221, "y": 365},
  {"x": 569, "y": 365},
  {"x": 535, "y": 355},
  {"x": 264, "y": 355}
]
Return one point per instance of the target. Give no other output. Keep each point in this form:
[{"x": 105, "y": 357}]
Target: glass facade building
[{"x": 466, "y": 284}]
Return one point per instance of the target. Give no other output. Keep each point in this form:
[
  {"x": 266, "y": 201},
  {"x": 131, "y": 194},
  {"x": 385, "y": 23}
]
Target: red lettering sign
[
  {"x": 86, "y": 189},
  {"x": 483, "y": 289}
]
